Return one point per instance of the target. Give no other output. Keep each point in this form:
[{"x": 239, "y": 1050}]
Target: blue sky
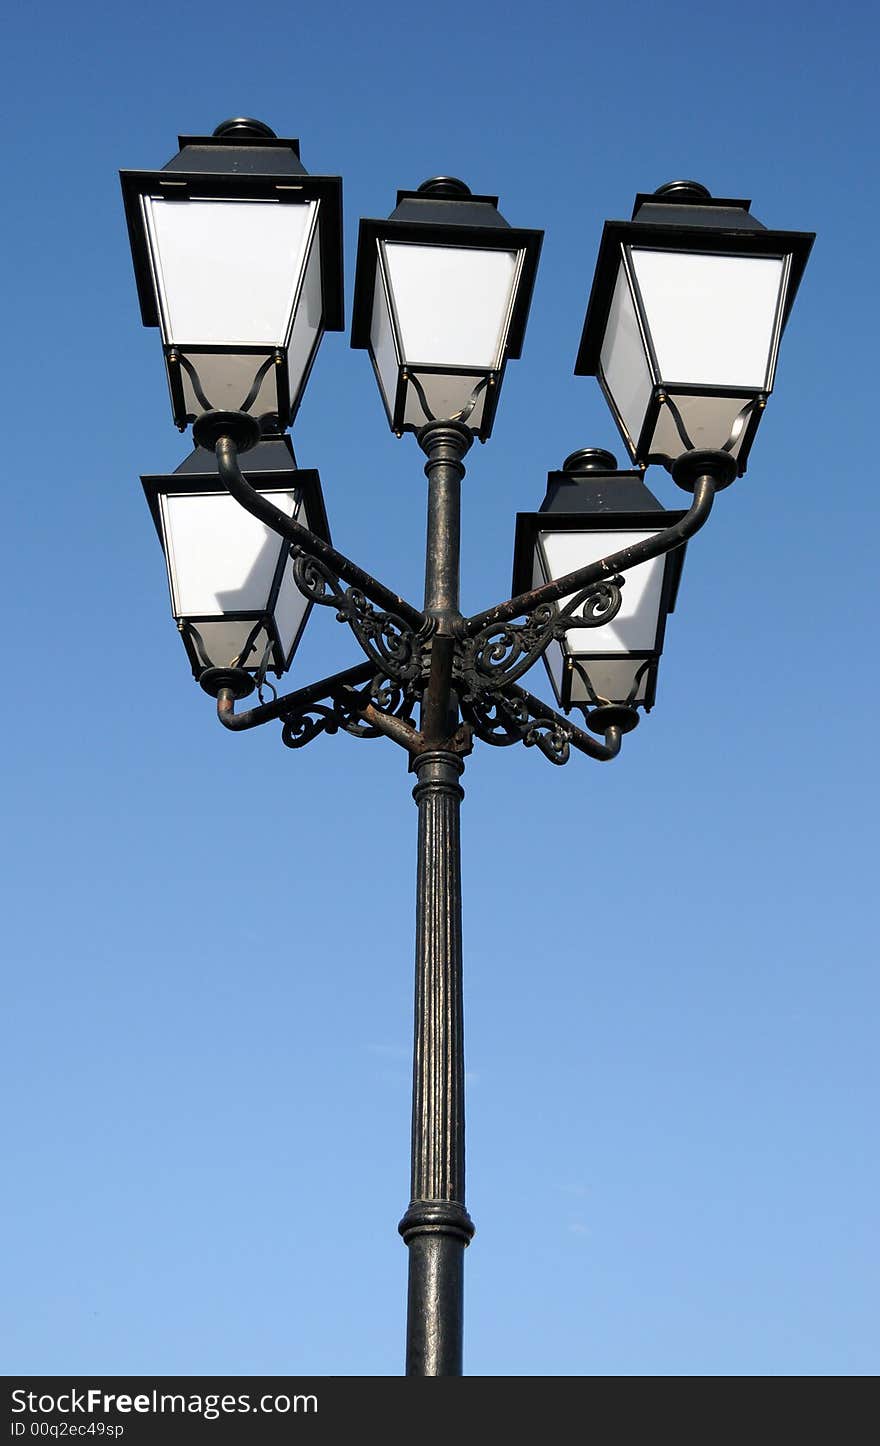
[{"x": 671, "y": 985}]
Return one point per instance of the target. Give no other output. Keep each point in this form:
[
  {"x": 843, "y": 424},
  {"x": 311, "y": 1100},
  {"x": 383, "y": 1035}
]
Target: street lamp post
[{"x": 238, "y": 259}]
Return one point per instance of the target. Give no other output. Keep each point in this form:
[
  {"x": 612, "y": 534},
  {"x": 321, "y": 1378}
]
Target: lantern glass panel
[
  {"x": 713, "y": 319},
  {"x": 290, "y": 609},
  {"x": 226, "y": 380},
  {"x": 307, "y": 324},
  {"x": 382, "y": 342},
  {"x": 446, "y": 395},
  {"x": 624, "y": 361},
  {"x": 453, "y": 303},
  {"x": 220, "y": 558},
  {"x": 710, "y": 422},
  {"x": 554, "y": 662},
  {"x": 227, "y": 272},
  {"x": 634, "y": 629},
  {"x": 232, "y": 642},
  {"x": 613, "y": 680}
]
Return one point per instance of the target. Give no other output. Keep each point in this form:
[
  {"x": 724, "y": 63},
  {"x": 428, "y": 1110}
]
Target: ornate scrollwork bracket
[
  {"x": 350, "y": 710},
  {"x": 380, "y": 697},
  {"x": 502, "y": 652},
  {"x": 503, "y": 719},
  {"x": 395, "y": 648},
  {"x": 515, "y": 716}
]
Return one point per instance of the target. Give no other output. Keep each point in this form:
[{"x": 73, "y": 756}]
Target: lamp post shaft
[
  {"x": 436, "y": 1226},
  {"x": 445, "y": 444}
]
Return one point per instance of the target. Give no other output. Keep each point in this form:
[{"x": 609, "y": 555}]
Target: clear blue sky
[{"x": 671, "y": 988}]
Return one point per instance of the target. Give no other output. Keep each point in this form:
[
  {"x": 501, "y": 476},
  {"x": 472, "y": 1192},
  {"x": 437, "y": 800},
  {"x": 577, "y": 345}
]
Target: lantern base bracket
[
  {"x": 611, "y": 715},
  {"x": 236, "y": 680},
  {"x": 241, "y": 427},
  {"x": 691, "y": 466}
]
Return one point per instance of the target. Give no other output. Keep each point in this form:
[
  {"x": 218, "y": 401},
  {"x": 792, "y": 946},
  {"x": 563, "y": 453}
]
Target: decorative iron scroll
[
  {"x": 503, "y": 652},
  {"x": 343, "y": 711},
  {"x": 485, "y": 667},
  {"x": 387, "y": 640},
  {"x": 501, "y": 720}
]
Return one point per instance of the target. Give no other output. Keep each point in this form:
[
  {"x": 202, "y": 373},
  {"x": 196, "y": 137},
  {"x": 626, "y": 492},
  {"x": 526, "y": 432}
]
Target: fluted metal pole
[{"x": 436, "y": 1226}]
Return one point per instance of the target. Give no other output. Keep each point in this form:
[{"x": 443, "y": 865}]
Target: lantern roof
[
  {"x": 240, "y": 152},
  {"x": 591, "y": 482},
  {"x": 447, "y": 201}
]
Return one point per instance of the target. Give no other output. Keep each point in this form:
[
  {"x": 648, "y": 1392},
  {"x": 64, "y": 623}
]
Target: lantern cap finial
[
  {"x": 241, "y": 127},
  {"x": 447, "y": 188},
  {"x": 590, "y": 459},
  {"x": 684, "y": 192}
]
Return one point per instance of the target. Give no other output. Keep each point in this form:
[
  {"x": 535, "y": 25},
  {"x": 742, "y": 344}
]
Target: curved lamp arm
[
  {"x": 341, "y": 686},
  {"x": 512, "y": 715},
  {"x": 288, "y": 702},
  {"x": 226, "y": 452},
  {"x": 583, "y": 742},
  {"x": 705, "y": 487}
]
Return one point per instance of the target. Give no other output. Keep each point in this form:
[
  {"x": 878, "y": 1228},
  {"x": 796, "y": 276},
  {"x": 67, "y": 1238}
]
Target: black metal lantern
[
  {"x": 591, "y": 511},
  {"x": 441, "y": 299},
  {"x": 687, "y": 308},
  {"x": 238, "y": 260},
  {"x": 233, "y": 592}
]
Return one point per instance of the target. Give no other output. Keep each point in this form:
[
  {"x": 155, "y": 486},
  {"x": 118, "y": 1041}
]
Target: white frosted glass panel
[
  {"x": 453, "y": 303},
  {"x": 227, "y": 271},
  {"x": 290, "y": 609},
  {"x": 226, "y": 382},
  {"x": 635, "y": 627},
  {"x": 446, "y": 396},
  {"x": 612, "y": 680},
  {"x": 382, "y": 343},
  {"x": 554, "y": 660},
  {"x": 711, "y": 318},
  {"x": 307, "y": 323},
  {"x": 555, "y": 665},
  {"x": 708, "y": 422},
  {"x": 220, "y": 558},
  {"x": 624, "y": 362},
  {"x": 224, "y": 642}
]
